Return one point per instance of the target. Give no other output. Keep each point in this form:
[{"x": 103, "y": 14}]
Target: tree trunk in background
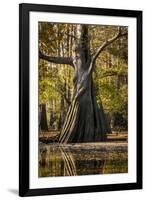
[
  {"x": 85, "y": 120},
  {"x": 51, "y": 119},
  {"x": 69, "y": 54},
  {"x": 60, "y": 122},
  {"x": 43, "y": 118}
]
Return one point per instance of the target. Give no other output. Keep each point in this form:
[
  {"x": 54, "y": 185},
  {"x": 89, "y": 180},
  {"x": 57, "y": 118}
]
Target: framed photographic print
[{"x": 80, "y": 99}]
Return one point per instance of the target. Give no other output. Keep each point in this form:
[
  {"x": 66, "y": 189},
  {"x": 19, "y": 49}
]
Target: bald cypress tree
[{"x": 85, "y": 120}]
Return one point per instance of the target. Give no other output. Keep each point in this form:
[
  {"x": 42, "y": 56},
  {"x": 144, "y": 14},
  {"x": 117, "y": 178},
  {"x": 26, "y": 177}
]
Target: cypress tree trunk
[
  {"x": 59, "y": 122},
  {"x": 51, "y": 119},
  {"x": 85, "y": 120},
  {"x": 43, "y": 118}
]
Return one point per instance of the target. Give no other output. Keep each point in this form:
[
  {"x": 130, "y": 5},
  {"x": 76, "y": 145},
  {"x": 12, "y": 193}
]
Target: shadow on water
[{"x": 58, "y": 160}]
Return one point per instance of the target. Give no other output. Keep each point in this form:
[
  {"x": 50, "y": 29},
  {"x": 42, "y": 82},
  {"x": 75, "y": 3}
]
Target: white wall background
[{"x": 9, "y": 97}]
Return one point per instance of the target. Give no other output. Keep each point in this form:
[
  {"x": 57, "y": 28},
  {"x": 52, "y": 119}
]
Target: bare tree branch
[
  {"x": 56, "y": 60},
  {"x": 104, "y": 45}
]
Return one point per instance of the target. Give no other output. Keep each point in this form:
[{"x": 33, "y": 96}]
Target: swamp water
[{"x": 82, "y": 159}]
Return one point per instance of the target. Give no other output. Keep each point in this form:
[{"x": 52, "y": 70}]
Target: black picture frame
[{"x": 24, "y": 9}]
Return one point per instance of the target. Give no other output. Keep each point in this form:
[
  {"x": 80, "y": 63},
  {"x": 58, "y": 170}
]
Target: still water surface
[{"x": 82, "y": 159}]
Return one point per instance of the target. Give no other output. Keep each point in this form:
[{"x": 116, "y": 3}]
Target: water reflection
[
  {"x": 69, "y": 163},
  {"x": 70, "y": 160}
]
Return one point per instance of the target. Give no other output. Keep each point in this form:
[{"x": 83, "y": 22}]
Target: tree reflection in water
[
  {"x": 55, "y": 161},
  {"x": 60, "y": 161},
  {"x": 70, "y": 160}
]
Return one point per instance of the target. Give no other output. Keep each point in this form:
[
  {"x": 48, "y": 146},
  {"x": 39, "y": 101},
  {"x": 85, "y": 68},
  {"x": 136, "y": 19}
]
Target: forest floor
[{"x": 51, "y": 137}]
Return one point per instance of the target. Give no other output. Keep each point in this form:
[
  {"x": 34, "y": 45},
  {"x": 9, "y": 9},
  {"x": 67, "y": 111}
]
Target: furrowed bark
[{"x": 85, "y": 121}]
